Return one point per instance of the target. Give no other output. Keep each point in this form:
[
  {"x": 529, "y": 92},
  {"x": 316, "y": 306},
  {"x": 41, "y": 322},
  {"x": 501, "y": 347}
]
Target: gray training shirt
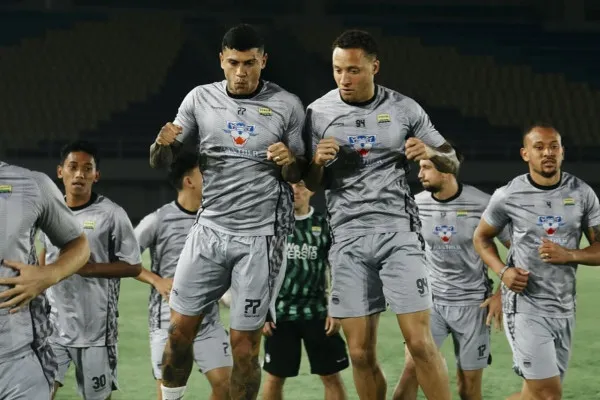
[
  {"x": 164, "y": 233},
  {"x": 28, "y": 200},
  {"x": 457, "y": 274},
  {"x": 84, "y": 310},
  {"x": 559, "y": 213},
  {"x": 243, "y": 192},
  {"x": 365, "y": 186}
]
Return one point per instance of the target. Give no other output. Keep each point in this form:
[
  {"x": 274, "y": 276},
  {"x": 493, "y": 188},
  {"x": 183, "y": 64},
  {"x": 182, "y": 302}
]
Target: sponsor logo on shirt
[
  {"x": 550, "y": 223},
  {"x": 301, "y": 252},
  {"x": 362, "y": 143},
  {"x": 240, "y": 132}
]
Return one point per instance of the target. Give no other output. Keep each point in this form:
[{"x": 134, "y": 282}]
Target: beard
[{"x": 432, "y": 188}]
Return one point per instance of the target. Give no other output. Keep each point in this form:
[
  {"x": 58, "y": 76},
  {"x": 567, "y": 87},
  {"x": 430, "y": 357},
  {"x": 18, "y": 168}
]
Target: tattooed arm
[
  {"x": 443, "y": 157},
  {"x": 483, "y": 239}
]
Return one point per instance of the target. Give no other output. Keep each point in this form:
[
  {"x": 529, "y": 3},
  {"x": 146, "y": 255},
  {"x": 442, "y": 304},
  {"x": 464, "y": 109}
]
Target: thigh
[
  {"x": 158, "y": 340},
  {"x": 63, "y": 360},
  {"x": 283, "y": 350},
  {"x": 202, "y": 276},
  {"x": 403, "y": 272},
  {"x": 95, "y": 371},
  {"x": 471, "y": 336},
  {"x": 532, "y": 342},
  {"x": 24, "y": 379},
  {"x": 356, "y": 289},
  {"x": 212, "y": 349},
  {"x": 439, "y": 326},
  {"x": 327, "y": 354},
  {"x": 258, "y": 268}
]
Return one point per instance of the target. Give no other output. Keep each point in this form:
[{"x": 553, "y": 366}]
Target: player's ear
[
  {"x": 375, "y": 67},
  {"x": 221, "y": 59},
  {"x": 59, "y": 172},
  {"x": 524, "y": 154},
  {"x": 96, "y": 176},
  {"x": 264, "y": 60}
]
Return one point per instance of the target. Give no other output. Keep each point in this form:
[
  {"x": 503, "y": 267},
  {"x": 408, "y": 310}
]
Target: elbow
[{"x": 135, "y": 271}]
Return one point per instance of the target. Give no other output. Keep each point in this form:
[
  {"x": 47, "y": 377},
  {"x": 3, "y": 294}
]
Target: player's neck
[
  {"x": 188, "y": 203},
  {"x": 302, "y": 211},
  {"x": 252, "y": 93},
  {"x": 540, "y": 180},
  {"x": 450, "y": 190},
  {"x": 74, "y": 201}
]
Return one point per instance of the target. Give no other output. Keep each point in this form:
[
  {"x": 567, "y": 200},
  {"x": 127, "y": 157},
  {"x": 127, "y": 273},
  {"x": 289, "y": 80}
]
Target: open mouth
[{"x": 77, "y": 184}]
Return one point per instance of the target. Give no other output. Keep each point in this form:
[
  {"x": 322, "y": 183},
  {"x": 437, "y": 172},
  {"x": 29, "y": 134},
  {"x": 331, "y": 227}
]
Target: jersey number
[
  {"x": 251, "y": 306},
  {"x": 99, "y": 381},
  {"x": 422, "y": 286}
]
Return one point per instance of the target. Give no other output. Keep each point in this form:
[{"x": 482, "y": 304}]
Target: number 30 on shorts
[{"x": 99, "y": 382}]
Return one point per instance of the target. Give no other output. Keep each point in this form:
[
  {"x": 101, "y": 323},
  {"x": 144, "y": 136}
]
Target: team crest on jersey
[
  {"x": 362, "y": 143},
  {"x": 569, "y": 201},
  {"x": 5, "y": 190},
  {"x": 383, "y": 118},
  {"x": 89, "y": 224},
  {"x": 266, "y": 111},
  {"x": 316, "y": 230},
  {"x": 240, "y": 132},
  {"x": 444, "y": 232},
  {"x": 550, "y": 223}
]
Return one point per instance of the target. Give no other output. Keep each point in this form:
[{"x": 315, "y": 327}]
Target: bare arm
[
  {"x": 118, "y": 269},
  {"x": 162, "y": 156},
  {"x": 483, "y": 240},
  {"x": 293, "y": 172},
  {"x": 591, "y": 254},
  {"x": 42, "y": 258},
  {"x": 314, "y": 176},
  {"x": 444, "y": 159},
  {"x": 70, "y": 260}
]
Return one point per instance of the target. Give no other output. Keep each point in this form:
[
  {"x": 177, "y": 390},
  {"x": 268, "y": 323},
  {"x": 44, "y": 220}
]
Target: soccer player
[
  {"x": 250, "y": 145},
  {"x": 84, "y": 306},
  {"x": 164, "y": 232},
  {"x": 302, "y": 310},
  {"x": 548, "y": 210},
  {"x": 462, "y": 305},
  {"x": 30, "y": 200},
  {"x": 362, "y": 138}
]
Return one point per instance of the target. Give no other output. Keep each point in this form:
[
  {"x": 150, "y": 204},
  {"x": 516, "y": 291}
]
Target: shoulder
[
  {"x": 328, "y": 99},
  {"x": 471, "y": 193}
]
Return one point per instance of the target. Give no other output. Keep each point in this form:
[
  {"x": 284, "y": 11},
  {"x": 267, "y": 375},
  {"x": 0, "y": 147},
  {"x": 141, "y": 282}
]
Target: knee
[
  {"x": 362, "y": 357},
  {"x": 468, "y": 389},
  {"x": 245, "y": 346},
  {"x": 420, "y": 346},
  {"x": 550, "y": 394},
  {"x": 183, "y": 329},
  {"x": 409, "y": 366},
  {"x": 274, "y": 382},
  {"x": 220, "y": 388}
]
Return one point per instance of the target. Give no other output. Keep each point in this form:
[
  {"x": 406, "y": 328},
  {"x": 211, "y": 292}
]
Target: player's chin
[{"x": 548, "y": 171}]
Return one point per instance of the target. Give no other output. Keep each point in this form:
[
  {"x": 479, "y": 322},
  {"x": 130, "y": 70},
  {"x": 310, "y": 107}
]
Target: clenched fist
[
  {"x": 416, "y": 150},
  {"x": 280, "y": 154},
  {"x": 168, "y": 133},
  {"x": 327, "y": 150}
]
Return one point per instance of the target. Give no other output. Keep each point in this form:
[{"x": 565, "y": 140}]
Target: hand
[
  {"x": 515, "y": 279},
  {"x": 168, "y": 133},
  {"x": 31, "y": 281},
  {"x": 416, "y": 150},
  {"x": 268, "y": 328},
  {"x": 332, "y": 326},
  {"x": 280, "y": 154},
  {"x": 553, "y": 253},
  {"x": 163, "y": 286},
  {"x": 327, "y": 150},
  {"x": 494, "y": 306}
]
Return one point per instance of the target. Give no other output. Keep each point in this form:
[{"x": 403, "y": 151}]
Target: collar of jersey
[
  {"x": 305, "y": 216},
  {"x": 91, "y": 201},
  {"x": 184, "y": 209},
  {"x": 453, "y": 197},
  {"x": 542, "y": 187},
  {"x": 261, "y": 83}
]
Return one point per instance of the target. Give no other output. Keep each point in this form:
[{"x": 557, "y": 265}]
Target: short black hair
[
  {"x": 357, "y": 39},
  {"x": 243, "y": 37},
  {"x": 183, "y": 164},
  {"x": 80, "y": 145},
  {"x": 538, "y": 124}
]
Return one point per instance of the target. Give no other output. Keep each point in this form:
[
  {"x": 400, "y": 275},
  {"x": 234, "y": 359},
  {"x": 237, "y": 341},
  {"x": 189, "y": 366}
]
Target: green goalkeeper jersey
[{"x": 303, "y": 295}]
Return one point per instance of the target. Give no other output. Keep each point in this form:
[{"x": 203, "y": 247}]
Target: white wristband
[{"x": 172, "y": 393}]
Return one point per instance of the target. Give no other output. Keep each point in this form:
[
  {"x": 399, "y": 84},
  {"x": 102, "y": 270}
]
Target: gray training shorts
[
  {"x": 372, "y": 270},
  {"x": 212, "y": 261}
]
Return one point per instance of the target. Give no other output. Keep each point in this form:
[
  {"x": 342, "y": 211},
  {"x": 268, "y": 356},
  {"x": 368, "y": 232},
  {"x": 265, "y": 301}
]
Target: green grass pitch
[{"x": 136, "y": 382}]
